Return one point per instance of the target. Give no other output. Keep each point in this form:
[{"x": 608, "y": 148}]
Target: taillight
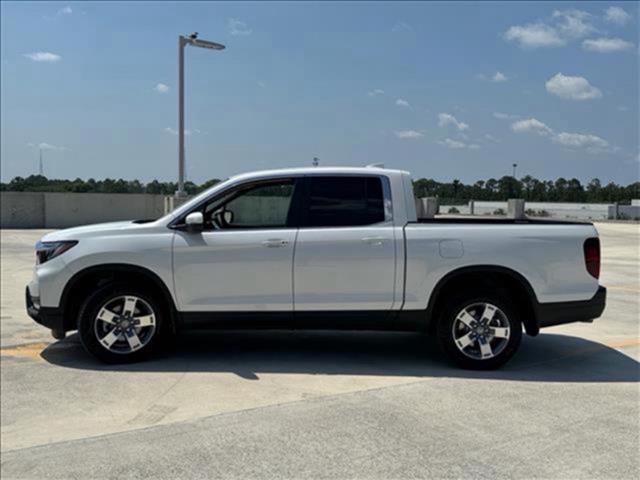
[{"x": 592, "y": 256}]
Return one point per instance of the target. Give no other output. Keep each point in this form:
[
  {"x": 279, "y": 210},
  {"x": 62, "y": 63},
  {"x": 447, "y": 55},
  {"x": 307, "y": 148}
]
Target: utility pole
[{"x": 183, "y": 42}]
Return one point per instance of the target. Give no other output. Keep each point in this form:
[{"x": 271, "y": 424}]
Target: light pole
[
  {"x": 40, "y": 166},
  {"x": 183, "y": 42},
  {"x": 515, "y": 165}
]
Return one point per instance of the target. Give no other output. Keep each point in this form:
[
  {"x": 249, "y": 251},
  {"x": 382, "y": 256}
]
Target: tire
[
  {"x": 479, "y": 331},
  {"x": 122, "y": 323}
]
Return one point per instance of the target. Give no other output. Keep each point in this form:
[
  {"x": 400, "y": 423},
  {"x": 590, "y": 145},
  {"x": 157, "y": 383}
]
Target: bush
[
  {"x": 530, "y": 212},
  {"x": 453, "y": 210},
  {"x": 499, "y": 211}
]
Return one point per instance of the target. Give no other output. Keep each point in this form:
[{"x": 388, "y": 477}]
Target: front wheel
[
  {"x": 121, "y": 323},
  {"x": 480, "y": 332}
]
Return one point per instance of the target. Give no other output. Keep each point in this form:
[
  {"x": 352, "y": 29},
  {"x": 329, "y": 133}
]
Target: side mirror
[{"x": 194, "y": 221}]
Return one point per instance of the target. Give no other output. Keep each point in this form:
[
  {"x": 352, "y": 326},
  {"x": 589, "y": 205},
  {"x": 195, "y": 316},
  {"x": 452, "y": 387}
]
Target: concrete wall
[
  {"x": 559, "y": 210},
  {"x": 21, "y": 210},
  {"x": 61, "y": 210},
  {"x": 624, "y": 212}
]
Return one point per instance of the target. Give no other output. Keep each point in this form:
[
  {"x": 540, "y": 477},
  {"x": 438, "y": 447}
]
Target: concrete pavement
[{"x": 290, "y": 405}]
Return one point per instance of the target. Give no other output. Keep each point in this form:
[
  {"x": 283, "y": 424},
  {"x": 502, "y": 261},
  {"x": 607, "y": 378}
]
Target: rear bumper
[
  {"x": 46, "y": 316},
  {"x": 550, "y": 314}
]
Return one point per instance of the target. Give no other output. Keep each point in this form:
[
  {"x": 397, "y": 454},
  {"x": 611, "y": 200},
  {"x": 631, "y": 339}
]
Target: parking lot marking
[{"x": 27, "y": 350}]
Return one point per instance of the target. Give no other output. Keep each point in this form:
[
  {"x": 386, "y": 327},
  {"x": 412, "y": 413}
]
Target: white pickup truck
[{"x": 319, "y": 248}]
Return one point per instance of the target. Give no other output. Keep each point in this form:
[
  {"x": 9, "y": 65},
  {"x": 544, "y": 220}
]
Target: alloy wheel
[
  {"x": 125, "y": 324},
  {"x": 481, "y": 331}
]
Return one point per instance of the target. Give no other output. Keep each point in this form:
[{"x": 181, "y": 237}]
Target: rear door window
[{"x": 341, "y": 201}]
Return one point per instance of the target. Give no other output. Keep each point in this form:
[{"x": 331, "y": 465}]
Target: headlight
[{"x": 45, "y": 251}]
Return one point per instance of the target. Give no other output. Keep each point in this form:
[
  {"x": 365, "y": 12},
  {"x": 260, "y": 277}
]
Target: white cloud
[
  {"x": 402, "y": 103},
  {"x": 499, "y": 77},
  {"x": 591, "y": 143},
  {"x": 445, "y": 119},
  {"x": 496, "y": 77},
  {"x": 46, "y": 146},
  {"x": 262, "y": 84},
  {"x": 573, "y": 23},
  {"x": 408, "y": 134},
  {"x": 43, "y": 57},
  {"x": 454, "y": 144},
  {"x": 616, "y": 15},
  {"x": 173, "y": 131},
  {"x": 402, "y": 27},
  {"x": 65, "y": 11},
  {"x": 531, "y": 125},
  {"x": 161, "y": 88},
  {"x": 237, "y": 27},
  {"x": 491, "y": 138},
  {"x": 458, "y": 145},
  {"x": 606, "y": 45},
  {"x": 563, "y": 27},
  {"x": 580, "y": 140},
  {"x": 572, "y": 88},
  {"x": 375, "y": 93},
  {"x": 505, "y": 116},
  {"x": 534, "y": 35}
]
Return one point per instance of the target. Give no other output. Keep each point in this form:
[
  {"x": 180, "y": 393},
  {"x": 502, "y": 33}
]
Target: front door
[
  {"x": 242, "y": 261},
  {"x": 345, "y": 255}
]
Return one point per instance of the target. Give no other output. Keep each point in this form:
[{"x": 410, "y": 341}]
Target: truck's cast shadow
[{"x": 546, "y": 358}]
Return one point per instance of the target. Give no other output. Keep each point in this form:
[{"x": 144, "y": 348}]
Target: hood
[{"x": 89, "y": 230}]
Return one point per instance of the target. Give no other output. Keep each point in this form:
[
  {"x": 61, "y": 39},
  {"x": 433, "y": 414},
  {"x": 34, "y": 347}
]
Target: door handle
[
  {"x": 275, "y": 243},
  {"x": 373, "y": 240}
]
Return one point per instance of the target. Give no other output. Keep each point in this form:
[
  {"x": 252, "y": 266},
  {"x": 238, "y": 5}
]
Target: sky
[{"x": 445, "y": 90}]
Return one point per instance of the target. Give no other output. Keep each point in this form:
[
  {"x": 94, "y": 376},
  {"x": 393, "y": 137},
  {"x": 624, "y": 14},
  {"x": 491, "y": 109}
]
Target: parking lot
[{"x": 292, "y": 405}]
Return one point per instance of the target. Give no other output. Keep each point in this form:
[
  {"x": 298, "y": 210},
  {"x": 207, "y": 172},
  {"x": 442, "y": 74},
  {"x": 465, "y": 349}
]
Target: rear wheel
[
  {"x": 121, "y": 323},
  {"x": 480, "y": 332}
]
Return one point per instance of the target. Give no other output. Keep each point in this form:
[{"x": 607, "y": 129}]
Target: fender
[
  {"x": 109, "y": 268},
  {"x": 531, "y": 323}
]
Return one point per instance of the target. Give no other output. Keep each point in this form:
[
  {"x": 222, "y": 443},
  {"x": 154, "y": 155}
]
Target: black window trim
[
  {"x": 293, "y": 215},
  {"x": 386, "y": 199}
]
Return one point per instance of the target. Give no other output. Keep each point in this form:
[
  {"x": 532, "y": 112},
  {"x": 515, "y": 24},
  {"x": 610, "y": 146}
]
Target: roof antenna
[{"x": 316, "y": 161}]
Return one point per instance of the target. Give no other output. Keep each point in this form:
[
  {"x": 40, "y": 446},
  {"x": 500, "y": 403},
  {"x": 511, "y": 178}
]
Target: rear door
[{"x": 345, "y": 251}]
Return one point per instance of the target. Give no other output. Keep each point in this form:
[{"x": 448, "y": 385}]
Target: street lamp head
[{"x": 205, "y": 44}]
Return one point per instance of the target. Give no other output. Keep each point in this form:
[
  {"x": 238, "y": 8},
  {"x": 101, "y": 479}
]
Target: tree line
[
  {"x": 528, "y": 187},
  {"x": 40, "y": 183}
]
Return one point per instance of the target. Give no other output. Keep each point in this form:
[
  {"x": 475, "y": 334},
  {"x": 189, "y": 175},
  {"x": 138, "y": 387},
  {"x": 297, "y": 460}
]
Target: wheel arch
[
  {"x": 90, "y": 278},
  {"x": 491, "y": 275}
]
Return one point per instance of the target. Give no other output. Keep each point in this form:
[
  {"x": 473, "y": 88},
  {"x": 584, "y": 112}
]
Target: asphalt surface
[{"x": 339, "y": 405}]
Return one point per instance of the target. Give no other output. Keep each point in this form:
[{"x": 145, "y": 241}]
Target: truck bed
[{"x": 498, "y": 220}]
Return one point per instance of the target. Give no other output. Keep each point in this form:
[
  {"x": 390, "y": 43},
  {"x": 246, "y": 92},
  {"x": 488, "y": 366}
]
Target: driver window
[{"x": 261, "y": 206}]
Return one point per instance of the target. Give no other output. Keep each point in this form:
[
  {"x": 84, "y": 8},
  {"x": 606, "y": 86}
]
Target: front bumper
[
  {"x": 550, "y": 314},
  {"x": 46, "y": 316}
]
